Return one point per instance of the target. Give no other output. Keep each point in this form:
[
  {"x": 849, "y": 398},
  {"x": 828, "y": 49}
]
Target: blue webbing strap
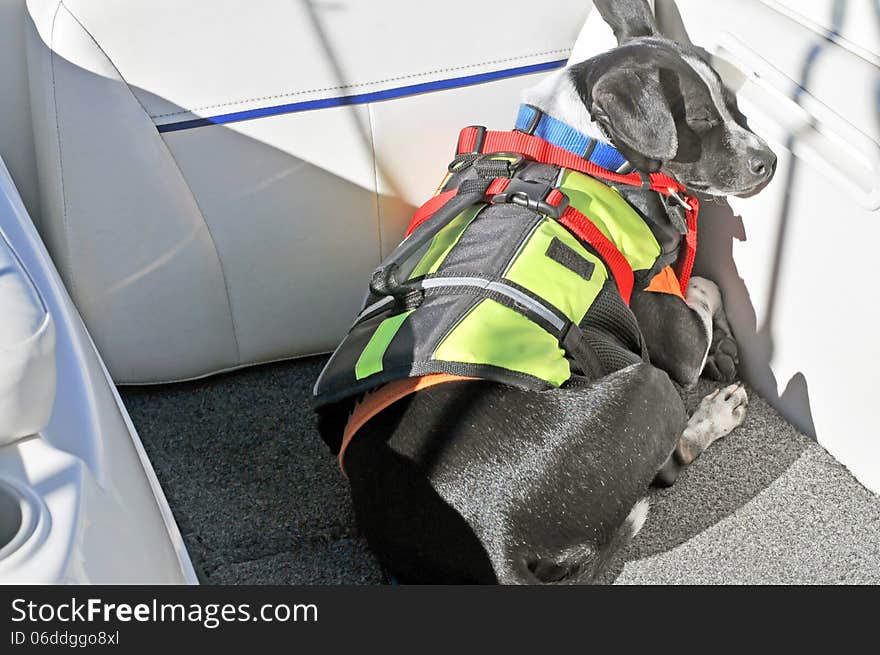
[{"x": 533, "y": 121}]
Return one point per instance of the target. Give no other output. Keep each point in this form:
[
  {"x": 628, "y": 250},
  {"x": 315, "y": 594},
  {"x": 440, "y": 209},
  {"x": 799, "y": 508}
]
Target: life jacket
[{"x": 519, "y": 269}]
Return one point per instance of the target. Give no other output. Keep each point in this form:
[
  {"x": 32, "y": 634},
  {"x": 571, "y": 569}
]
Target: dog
[{"x": 477, "y": 481}]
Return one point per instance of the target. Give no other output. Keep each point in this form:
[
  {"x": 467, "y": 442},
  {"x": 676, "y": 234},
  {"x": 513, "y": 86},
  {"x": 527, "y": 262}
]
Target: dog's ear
[
  {"x": 628, "y": 18},
  {"x": 630, "y": 106}
]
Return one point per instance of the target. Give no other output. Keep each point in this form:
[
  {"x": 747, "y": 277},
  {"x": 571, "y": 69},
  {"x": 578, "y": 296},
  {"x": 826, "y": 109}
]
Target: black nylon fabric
[
  {"x": 609, "y": 313},
  {"x": 482, "y": 255},
  {"x": 423, "y": 331},
  {"x": 612, "y": 330},
  {"x": 609, "y": 352},
  {"x": 413, "y": 344},
  {"x": 492, "y": 241}
]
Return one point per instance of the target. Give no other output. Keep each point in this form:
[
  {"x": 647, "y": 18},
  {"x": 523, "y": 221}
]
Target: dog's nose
[{"x": 762, "y": 164}]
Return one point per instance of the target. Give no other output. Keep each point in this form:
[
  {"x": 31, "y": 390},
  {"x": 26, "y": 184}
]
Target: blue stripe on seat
[{"x": 362, "y": 98}]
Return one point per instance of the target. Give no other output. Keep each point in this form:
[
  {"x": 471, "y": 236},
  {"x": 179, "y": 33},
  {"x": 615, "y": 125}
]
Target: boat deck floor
[{"x": 259, "y": 498}]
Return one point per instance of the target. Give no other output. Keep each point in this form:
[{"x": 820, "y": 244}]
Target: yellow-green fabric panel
[
  {"x": 548, "y": 279},
  {"x": 499, "y": 336},
  {"x": 614, "y": 217},
  {"x": 370, "y": 361},
  {"x": 444, "y": 241}
]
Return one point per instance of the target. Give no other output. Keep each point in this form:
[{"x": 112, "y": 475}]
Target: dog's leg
[
  {"x": 722, "y": 356},
  {"x": 717, "y": 416},
  {"x": 704, "y": 299},
  {"x": 686, "y": 338},
  {"x": 723, "y": 409}
]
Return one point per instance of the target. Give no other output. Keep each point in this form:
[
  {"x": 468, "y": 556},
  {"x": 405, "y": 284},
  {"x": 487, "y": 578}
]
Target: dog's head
[{"x": 665, "y": 108}]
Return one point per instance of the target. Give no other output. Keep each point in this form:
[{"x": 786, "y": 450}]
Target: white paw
[{"x": 721, "y": 411}]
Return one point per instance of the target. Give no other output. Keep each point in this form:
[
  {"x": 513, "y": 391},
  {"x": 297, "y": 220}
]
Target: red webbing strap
[
  {"x": 571, "y": 218},
  {"x": 475, "y": 139},
  {"x": 545, "y": 152},
  {"x": 468, "y": 139},
  {"x": 583, "y": 228},
  {"x": 686, "y": 257},
  {"x": 498, "y": 185},
  {"x": 478, "y": 139},
  {"x": 554, "y": 197},
  {"x": 426, "y": 211}
]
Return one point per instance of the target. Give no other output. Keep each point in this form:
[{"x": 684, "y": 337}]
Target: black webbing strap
[
  {"x": 575, "y": 343},
  {"x": 383, "y": 281}
]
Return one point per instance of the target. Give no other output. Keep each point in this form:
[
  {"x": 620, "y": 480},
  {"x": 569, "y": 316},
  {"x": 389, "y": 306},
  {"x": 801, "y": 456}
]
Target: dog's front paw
[
  {"x": 717, "y": 415},
  {"x": 720, "y": 412}
]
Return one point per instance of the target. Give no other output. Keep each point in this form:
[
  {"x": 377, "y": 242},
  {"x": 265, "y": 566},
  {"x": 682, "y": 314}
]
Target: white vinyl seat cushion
[
  {"x": 191, "y": 249},
  {"x": 27, "y": 352}
]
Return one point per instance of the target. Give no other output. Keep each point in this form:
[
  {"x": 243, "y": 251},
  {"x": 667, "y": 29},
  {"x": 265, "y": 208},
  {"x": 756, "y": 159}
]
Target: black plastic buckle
[{"x": 532, "y": 195}]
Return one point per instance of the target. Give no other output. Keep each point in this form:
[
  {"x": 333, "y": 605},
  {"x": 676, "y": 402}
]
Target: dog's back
[{"x": 478, "y": 482}]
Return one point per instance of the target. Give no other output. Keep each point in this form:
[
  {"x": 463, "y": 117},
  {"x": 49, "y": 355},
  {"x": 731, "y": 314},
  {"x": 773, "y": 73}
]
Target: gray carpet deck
[{"x": 259, "y": 499}]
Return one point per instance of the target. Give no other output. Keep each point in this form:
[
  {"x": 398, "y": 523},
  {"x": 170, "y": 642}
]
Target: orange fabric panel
[
  {"x": 375, "y": 401},
  {"x": 666, "y": 282}
]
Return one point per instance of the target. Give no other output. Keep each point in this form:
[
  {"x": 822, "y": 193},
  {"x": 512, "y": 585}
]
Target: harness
[{"x": 519, "y": 270}]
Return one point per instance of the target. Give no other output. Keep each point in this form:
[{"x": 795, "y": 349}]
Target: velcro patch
[{"x": 571, "y": 259}]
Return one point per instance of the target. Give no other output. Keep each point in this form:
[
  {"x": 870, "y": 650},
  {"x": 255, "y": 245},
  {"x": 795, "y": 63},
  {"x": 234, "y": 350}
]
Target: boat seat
[{"x": 218, "y": 178}]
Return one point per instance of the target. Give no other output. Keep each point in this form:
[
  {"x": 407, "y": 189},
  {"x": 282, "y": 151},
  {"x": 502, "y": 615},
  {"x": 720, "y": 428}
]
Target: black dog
[{"x": 479, "y": 482}]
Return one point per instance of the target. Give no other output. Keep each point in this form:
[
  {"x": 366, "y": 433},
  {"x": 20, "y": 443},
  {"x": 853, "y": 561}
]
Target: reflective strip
[{"x": 498, "y": 287}]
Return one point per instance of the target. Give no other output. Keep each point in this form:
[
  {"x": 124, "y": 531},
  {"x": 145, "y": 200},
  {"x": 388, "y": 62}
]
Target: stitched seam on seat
[
  {"x": 71, "y": 276},
  {"x": 363, "y": 84},
  {"x": 182, "y": 177},
  {"x": 103, "y": 52}
]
